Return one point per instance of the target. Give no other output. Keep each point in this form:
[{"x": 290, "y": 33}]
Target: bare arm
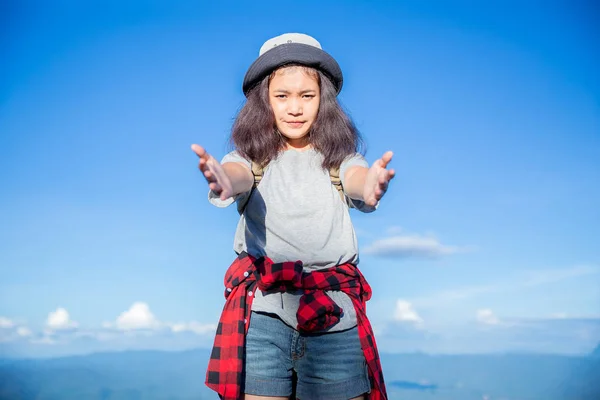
[
  {"x": 226, "y": 180},
  {"x": 369, "y": 184}
]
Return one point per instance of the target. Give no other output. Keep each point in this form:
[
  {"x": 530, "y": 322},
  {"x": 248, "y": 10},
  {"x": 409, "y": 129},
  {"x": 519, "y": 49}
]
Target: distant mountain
[
  {"x": 138, "y": 375},
  {"x": 596, "y": 352},
  {"x": 154, "y": 375},
  {"x": 585, "y": 380},
  {"x": 466, "y": 377}
]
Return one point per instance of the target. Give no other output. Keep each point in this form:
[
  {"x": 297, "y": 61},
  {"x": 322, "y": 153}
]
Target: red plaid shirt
[{"x": 316, "y": 312}]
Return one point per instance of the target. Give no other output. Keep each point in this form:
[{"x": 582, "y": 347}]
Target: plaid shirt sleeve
[{"x": 226, "y": 365}]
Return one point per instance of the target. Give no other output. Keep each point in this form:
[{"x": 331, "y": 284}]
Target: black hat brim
[{"x": 293, "y": 53}]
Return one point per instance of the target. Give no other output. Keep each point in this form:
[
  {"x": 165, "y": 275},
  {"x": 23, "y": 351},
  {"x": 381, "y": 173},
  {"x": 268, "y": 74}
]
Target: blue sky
[{"x": 487, "y": 241}]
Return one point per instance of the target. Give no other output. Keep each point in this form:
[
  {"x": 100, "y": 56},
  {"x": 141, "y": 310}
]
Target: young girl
[{"x": 294, "y": 323}]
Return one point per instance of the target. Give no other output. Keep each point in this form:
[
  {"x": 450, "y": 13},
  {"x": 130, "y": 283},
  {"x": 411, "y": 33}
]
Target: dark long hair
[{"x": 333, "y": 134}]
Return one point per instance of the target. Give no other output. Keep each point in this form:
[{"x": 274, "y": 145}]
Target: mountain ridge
[{"x": 159, "y": 374}]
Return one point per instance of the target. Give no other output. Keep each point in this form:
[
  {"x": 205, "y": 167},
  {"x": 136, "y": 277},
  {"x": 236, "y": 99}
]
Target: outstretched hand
[
  {"x": 377, "y": 180},
  {"x": 213, "y": 172}
]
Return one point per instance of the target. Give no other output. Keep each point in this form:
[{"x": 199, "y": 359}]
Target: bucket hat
[{"x": 292, "y": 48}]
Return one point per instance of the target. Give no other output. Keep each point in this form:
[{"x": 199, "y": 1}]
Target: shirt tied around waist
[{"x": 316, "y": 312}]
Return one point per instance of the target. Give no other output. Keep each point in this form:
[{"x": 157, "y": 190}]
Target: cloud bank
[{"x": 410, "y": 245}]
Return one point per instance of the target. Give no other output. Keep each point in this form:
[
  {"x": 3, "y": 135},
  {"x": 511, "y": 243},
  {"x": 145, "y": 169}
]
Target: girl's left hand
[{"x": 377, "y": 180}]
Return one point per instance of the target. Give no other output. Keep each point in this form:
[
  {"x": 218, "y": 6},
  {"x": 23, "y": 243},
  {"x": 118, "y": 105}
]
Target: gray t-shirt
[{"x": 295, "y": 213}]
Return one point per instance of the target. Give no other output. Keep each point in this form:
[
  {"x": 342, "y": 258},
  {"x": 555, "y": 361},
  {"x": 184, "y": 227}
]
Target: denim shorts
[{"x": 321, "y": 365}]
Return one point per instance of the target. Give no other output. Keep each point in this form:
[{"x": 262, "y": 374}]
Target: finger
[
  {"x": 215, "y": 187},
  {"x": 224, "y": 195},
  {"x": 384, "y": 177},
  {"x": 383, "y": 186},
  {"x": 386, "y": 158},
  {"x": 202, "y": 165},
  {"x": 388, "y": 176},
  {"x": 205, "y": 163},
  {"x": 210, "y": 176},
  {"x": 199, "y": 150}
]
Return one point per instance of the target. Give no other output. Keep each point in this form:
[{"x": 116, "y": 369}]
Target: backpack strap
[
  {"x": 334, "y": 175},
  {"x": 336, "y": 181},
  {"x": 257, "y": 170}
]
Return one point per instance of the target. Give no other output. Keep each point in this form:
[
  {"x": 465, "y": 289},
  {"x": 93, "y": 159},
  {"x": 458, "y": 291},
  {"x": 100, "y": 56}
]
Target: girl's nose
[{"x": 294, "y": 107}]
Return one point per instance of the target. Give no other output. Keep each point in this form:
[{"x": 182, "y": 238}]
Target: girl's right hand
[{"x": 213, "y": 172}]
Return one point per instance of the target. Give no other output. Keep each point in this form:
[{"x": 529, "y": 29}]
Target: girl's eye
[
  {"x": 309, "y": 96},
  {"x": 280, "y": 96}
]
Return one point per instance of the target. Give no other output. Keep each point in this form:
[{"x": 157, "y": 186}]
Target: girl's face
[{"x": 294, "y": 95}]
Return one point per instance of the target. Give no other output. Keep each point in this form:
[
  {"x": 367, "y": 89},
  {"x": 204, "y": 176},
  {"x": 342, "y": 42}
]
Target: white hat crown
[{"x": 289, "y": 38}]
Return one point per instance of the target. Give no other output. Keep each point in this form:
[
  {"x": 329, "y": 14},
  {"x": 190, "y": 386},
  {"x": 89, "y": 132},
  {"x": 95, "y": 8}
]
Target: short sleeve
[
  {"x": 356, "y": 160},
  {"x": 213, "y": 198}
]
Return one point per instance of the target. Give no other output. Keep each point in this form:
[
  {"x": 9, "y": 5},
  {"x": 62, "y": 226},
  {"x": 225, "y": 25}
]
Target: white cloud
[
  {"x": 545, "y": 276},
  {"x": 447, "y": 296},
  {"x": 140, "y": 320},
  {"x": 138, "y": 316},
  {"x": 134, "y": 323},
  {"x": 486, "y": 316},
  {"x": 179, "y": 328},
  {"x": 394, "y": 230},
  {"x": 519, "y": 281},
  {"x": 10, "y": 330},
  {"x": 566, "y": 316},
  {"x": 410, "y": 245},
  {"x": 6, "y": 323},
  {"x": 405, "y": 312},
  {"x": 24, "y": 332},
  {"x": 101, "y": 335},
  {"x": 194, "y": 327},
  {"x": 60, "y": 320},
  {"x": 555, "y": 336},
  {"x": 44, "y": 340}
]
